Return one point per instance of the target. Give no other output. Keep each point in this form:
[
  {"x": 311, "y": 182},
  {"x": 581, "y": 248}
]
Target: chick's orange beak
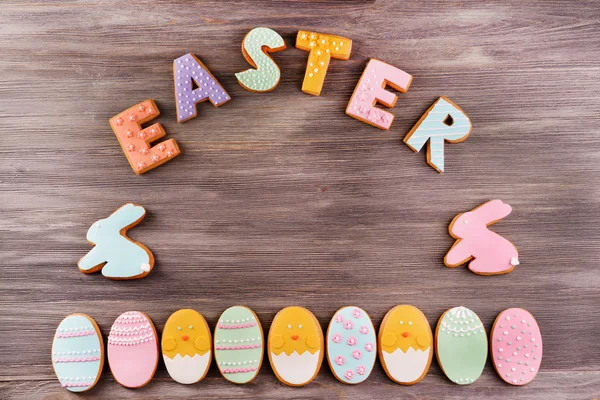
[
  {"x": 295, "y": 337},
  {"x": 405, "y": 334},
  {"x": 184, "y": 338}
]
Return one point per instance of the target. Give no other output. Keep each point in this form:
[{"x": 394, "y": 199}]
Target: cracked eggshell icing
[
  {"x": 295, "y": 346},
  {"x": 78, "y": 353},
  {"x": 405, "y": 344},
  {"x": 516, "y": 348},
  {"x": 133, "y": 349},
  {"x": 351, "y": 345},
  {"x": 239, "y": 344},
  {"x": 461, "y": 345},
  {"x": 186, "y": 346}
]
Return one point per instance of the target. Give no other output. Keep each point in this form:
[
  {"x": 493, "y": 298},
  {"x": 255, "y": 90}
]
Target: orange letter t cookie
[
  {"x": 134, "y": 140},
  {"x": 322, "y": 47}
]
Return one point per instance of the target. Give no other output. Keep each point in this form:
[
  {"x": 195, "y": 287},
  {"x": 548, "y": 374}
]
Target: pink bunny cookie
[{"x": 491, "y": 254}]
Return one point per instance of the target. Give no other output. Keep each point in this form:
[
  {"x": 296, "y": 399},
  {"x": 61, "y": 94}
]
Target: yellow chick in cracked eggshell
[
  {"x": 186, "y": 346},
  {"x": 295, "y": 346},
  {"x": 405, "y": 344}
]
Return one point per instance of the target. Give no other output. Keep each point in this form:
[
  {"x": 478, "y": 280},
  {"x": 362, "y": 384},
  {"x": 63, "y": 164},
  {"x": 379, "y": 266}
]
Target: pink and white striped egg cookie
[{"x": 133, "y": 349}]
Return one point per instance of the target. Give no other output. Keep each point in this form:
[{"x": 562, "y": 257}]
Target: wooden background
[{"x": 281, "y": 199}]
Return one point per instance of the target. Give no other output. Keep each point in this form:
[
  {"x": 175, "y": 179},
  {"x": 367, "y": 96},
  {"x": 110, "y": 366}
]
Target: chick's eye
[
  {"x": 191, "y": 327},
  {"x": 178, "y": 328},
  {"x": 289, "y": 326},
  {"x": 300, "y": 326},
  {"x": 410, "y": 322},
  {"x": 401, "y": 322}
]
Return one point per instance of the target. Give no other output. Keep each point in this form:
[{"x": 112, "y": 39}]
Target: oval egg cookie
[
  {"x": 461, "y": 345},
  {"x": 405, "y": 344},
  {"x": 295, "y": 346},
  {"x": 78, "y": 353},
  {"x": 186, "y": 345},
  {"x": 516, "y": 346},
  {"x": 133, "y": 349},
  {"x": 351, "y": 345},
  {"x": 239, "y": 344}
]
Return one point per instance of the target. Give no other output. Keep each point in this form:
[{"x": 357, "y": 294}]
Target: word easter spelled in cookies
[
  {"x": 296, "y": 346},
  {"x": 443, "y": 122}
]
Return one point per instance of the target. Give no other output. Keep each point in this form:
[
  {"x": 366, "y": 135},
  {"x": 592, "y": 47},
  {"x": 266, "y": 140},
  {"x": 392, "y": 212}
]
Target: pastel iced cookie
[
  {"x": 371, "y": 89},
  {"x": 351, "y": 345},
  {"x": 133, "y": 349},
  {"x": 443, "y": 121},
  {"x": 135, "y": 140},
  {"x": 78, "y": 353},
  {"x": 114, "y": 253},
  {"x": 322, "y": 48},
  {"x": 461, "y": 345},
  {"x": 256, "y": 46},
  {"x": 186, "y": 346},
  {"x": 195, "y": 84},
  {"x": 239, "y": 344},
  {"x": 405, "y": 344},
  {"x": 488, "y": 252},
  {"x": 295, "y": 346},
  {"x": 516, "y": 346}
]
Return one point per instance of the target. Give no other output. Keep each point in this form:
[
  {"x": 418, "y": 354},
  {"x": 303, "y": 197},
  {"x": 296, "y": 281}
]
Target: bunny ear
[
  {"x": 493, "y": 211},
  {"x": 127, "y": 215}
]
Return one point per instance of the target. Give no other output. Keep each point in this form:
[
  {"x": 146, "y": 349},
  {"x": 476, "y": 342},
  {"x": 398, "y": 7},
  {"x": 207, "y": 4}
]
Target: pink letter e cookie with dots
[
  {"x": 371, "y": 89},
  {"x": 134, "y": 140}
]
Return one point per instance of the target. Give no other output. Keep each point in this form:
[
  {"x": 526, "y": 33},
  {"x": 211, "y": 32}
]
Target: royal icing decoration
[
  {"x": 491, "y": 254},
  {"x": 134, "y": 140},
  {"x": 405, "y": 344},
  {"x": 351, "y": 344},
  {"x": 516, "y": 346},
  {"x": 195, "y": 84},
  {"x": 295, "y": 346},
  {"x": 322, "y": 48},
  {"x": 371, "y": 90},
  {"x": 239, "y": 344},
  {"x": 461, "y": 345},
  {"x": 78, "y": 353},
  {"x": 265, "y": 74},
  {"x": 132, "y": 349},
  {"x": 114, "y": 253},
  {"x": 186, "y": 346},
  {"x": 444, "y": 120}
]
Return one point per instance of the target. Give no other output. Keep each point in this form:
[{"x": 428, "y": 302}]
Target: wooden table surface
[{"x": 281, "y": 199}]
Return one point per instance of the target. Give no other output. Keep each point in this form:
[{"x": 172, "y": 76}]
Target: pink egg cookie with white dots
[{"x": 516, "y": 346}]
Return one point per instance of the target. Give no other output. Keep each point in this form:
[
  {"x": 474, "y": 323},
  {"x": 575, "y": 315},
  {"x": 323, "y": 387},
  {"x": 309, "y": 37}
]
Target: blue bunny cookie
[{"x": 114, "y": 253}]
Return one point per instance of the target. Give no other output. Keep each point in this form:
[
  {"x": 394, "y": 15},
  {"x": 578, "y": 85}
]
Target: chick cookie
[
  {"x": 405, "y": 345},
  {"x": 351, "y": 345},
  {"x": 186, "y": 346},
  {"x": 239, "y": 344},
  {"x": 295, "y": 346}
]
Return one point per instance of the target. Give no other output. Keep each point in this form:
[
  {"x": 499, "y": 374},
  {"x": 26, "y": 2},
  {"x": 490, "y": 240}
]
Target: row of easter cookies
[{"x": 296, "y": 346}]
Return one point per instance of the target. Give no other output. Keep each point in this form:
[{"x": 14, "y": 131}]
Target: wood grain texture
[{"x": 281, "y": 199}]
